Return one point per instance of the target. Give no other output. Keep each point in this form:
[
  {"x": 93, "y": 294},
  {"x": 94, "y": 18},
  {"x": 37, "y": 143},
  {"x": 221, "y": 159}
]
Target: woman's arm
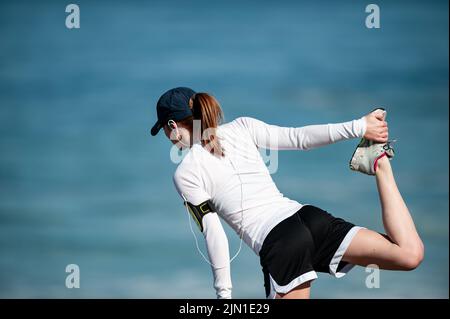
[
  {"x": 218, "y": 252},
  {"x": 301, "y": 138},
  {"x": 372, "y": 126},
  {"x": 188, "y": 184}
]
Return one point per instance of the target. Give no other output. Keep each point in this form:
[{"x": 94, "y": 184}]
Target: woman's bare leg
[
  {"x": 401, "y": 248},
  {"x": 300, "y": 292}
]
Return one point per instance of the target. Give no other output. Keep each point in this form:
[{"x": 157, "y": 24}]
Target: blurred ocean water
[{"x": 82, "y": 181}]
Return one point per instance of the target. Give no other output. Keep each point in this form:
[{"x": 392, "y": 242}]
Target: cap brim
[{"x": 155, "y": 129}]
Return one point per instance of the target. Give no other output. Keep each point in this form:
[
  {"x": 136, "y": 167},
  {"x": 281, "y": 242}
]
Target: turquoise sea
[{"x": 83, "y": 182}]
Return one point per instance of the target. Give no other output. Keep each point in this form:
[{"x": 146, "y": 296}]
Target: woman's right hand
[{"x": 376, "y": 126}]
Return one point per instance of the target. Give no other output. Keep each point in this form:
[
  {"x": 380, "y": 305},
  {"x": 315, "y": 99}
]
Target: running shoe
[{"x": 367, "y": 153}]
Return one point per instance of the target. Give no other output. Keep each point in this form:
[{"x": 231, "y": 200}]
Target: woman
[{"x": 223, "y": 174}]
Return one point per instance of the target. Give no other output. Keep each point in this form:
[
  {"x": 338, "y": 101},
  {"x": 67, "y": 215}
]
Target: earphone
[{"x": 173, "y": 126}]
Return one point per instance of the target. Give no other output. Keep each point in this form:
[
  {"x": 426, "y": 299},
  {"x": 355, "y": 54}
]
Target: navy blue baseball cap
[{"x": 172, "y": 105}]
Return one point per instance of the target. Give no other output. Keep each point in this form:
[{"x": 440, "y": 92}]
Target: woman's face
[{"x": 178, "y": 135}]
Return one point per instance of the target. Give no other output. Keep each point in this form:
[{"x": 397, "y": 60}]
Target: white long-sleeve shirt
[{"x": 240, "y": 186}]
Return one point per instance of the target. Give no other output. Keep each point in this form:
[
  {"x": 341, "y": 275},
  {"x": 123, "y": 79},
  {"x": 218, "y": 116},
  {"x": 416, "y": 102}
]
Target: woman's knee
[{"x": 412, "y": 257}]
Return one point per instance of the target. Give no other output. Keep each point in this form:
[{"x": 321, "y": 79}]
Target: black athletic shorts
[{"x": 308, "y": 242}]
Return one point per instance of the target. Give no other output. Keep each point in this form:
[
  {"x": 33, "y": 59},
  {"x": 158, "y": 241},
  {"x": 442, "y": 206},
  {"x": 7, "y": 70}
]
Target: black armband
[{"x": 198, "y": 211}]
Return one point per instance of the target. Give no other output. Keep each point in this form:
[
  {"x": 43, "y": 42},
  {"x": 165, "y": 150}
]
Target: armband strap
[{"x": 198, "y": 211}]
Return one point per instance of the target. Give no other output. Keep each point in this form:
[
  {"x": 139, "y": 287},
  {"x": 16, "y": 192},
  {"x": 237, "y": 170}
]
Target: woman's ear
[{"x": 172, "y": 125}]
